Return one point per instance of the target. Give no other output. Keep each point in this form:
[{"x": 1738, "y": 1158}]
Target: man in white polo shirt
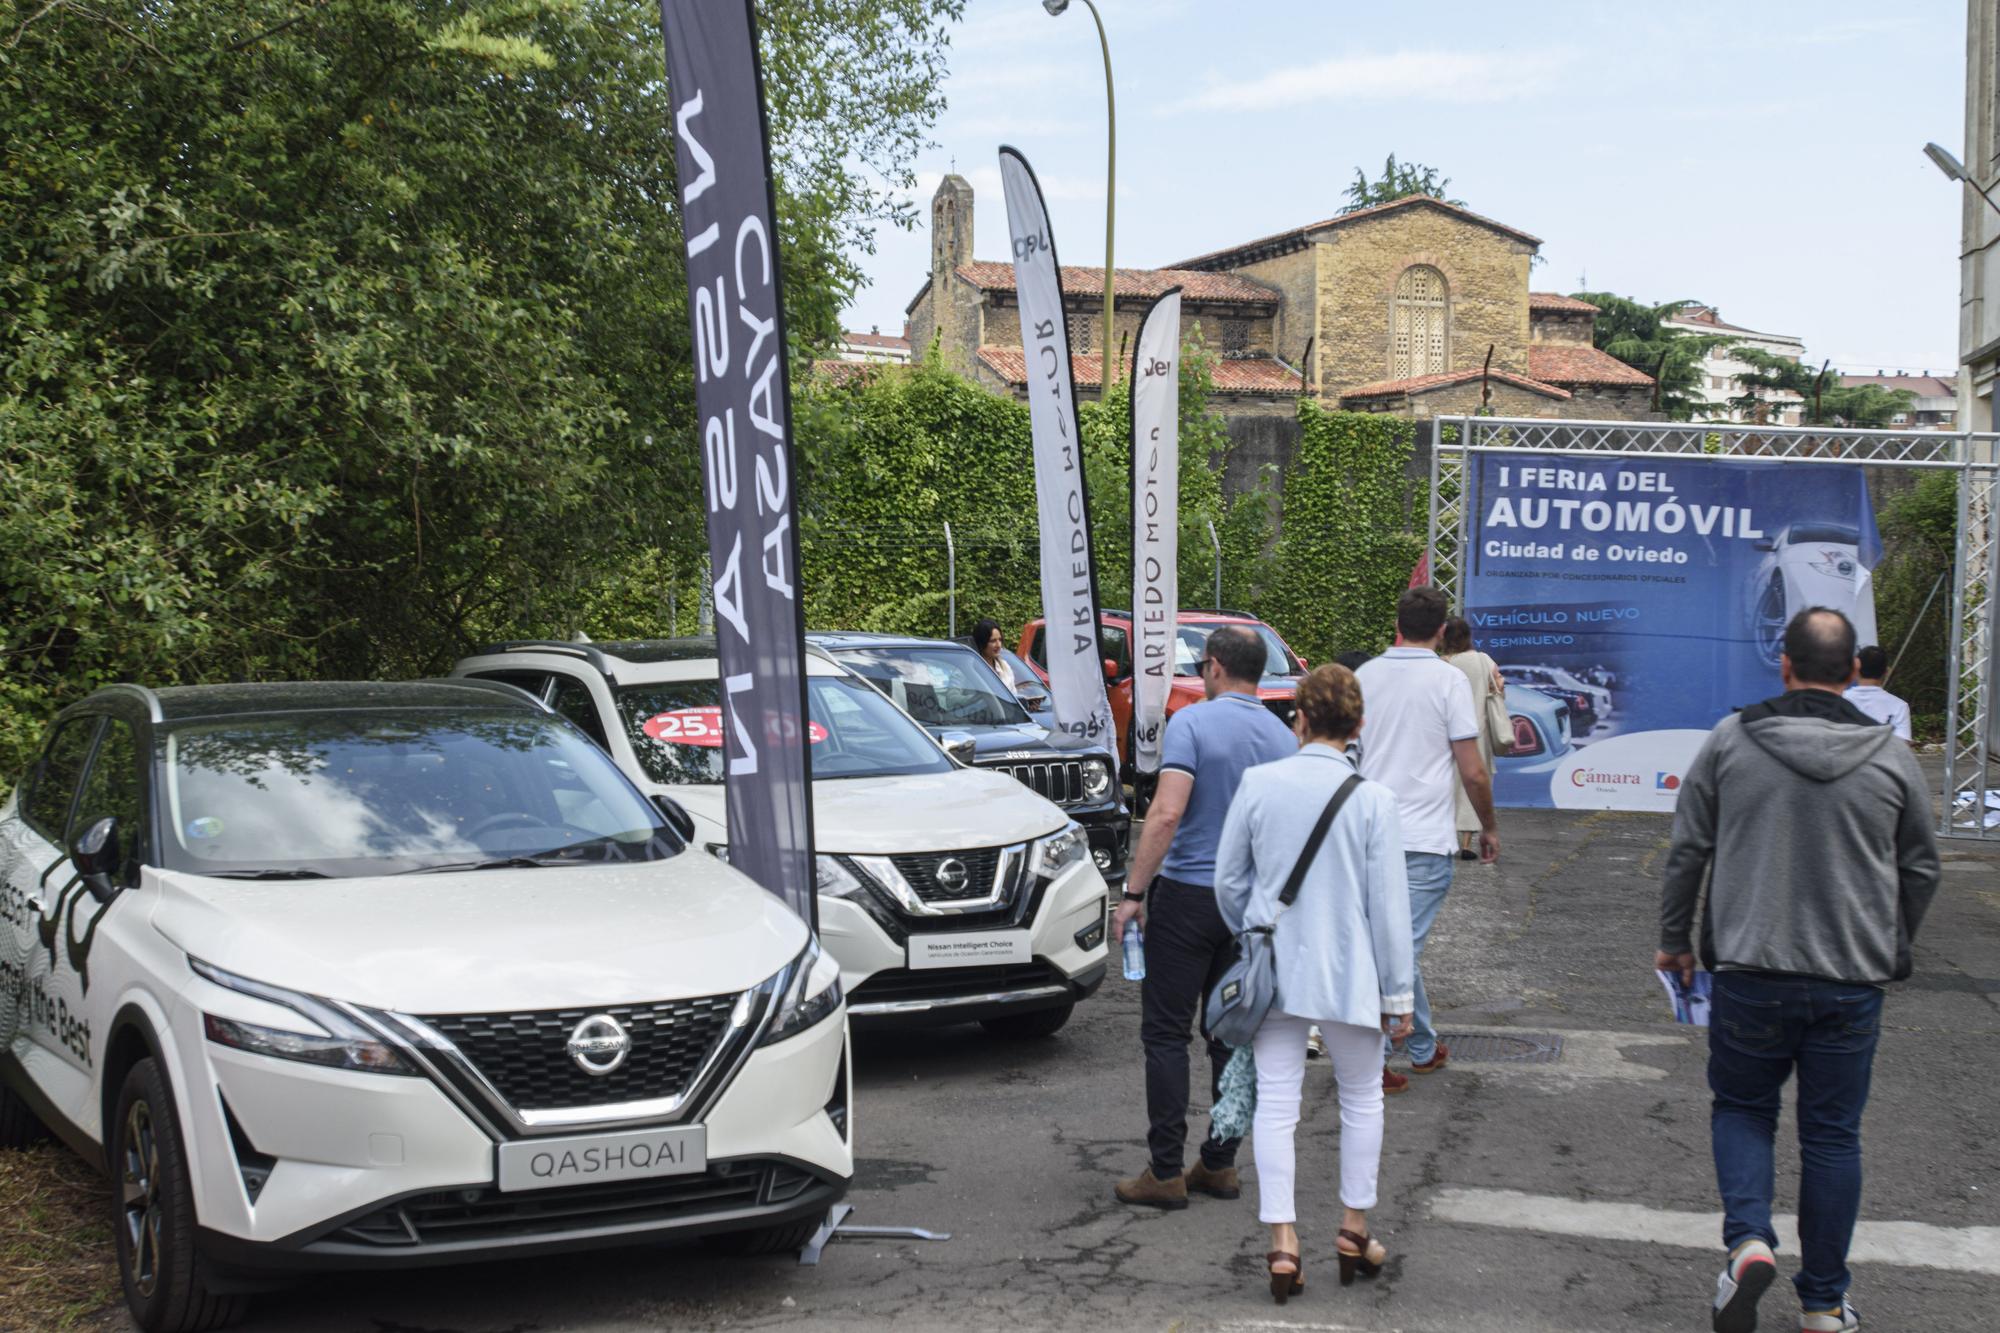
[
  {"x": 1422, "y": 742},
  {"x": 1868, "y": 695}
]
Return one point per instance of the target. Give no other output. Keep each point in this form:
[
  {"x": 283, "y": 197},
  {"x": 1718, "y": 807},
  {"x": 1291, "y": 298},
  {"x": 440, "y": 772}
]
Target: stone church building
[{"x": 1415, "y": 307}]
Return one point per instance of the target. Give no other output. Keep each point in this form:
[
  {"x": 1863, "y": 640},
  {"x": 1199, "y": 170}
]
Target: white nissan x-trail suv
[
  {"x": 947, "y": 893},
  {"x": 361, "y": 975}
]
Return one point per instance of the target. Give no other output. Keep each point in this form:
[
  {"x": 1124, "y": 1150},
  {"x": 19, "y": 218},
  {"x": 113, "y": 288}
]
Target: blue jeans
[
  {"x": 1430, "y": 881},
  {"x": 1763, "y": 1026}
]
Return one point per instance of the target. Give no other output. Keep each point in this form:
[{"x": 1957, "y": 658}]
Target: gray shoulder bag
[{"x": 1237, "y": 1005}]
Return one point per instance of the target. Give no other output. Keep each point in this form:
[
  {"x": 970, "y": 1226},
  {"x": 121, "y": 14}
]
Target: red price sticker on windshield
[
  {"x": 687, "y": 726},
  {"x": 702, "y": 727}
]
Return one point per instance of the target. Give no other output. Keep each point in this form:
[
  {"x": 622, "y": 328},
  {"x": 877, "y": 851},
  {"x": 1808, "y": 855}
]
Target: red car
[{"x": 1282, "y": 667}]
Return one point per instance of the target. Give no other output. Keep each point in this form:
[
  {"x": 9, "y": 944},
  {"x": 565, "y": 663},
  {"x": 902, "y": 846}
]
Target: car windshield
[
  {"x": 676, "y": 731},
  {"x": 370, "y": 793},
  {"x": 1191, "y": 642},
  {"x": 939, "y": 687},
  {"x": 1802, "y": 533}
]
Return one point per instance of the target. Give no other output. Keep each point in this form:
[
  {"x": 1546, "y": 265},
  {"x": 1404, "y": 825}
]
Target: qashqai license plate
[{"x": 588, "y": 1159}]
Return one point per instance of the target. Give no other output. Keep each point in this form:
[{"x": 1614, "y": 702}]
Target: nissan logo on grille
[
  {"x": 599, "y": 1044},
  {"x": 951, "y": 874}
]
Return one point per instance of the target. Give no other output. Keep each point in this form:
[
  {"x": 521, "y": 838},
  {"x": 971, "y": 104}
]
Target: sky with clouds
[{"x": 1763, "y": 156}]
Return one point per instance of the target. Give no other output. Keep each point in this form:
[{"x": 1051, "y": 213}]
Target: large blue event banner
[{"x": 1632, "y": 603}]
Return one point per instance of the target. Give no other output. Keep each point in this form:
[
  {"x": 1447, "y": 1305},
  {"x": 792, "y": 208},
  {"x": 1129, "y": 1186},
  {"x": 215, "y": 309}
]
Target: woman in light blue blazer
[{"x": 1343, "y": 960}]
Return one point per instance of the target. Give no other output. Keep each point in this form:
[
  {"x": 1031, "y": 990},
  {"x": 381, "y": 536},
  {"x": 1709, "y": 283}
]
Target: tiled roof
[
  {"x": 848, "y": 372},
  {"x": 1297, "y": 235},
  {"x": 1709, "y": 318},
  {"x": 1221, "y": 288},
  {"x": 1555, "y": 301},
  {"x": 1249, "y": 375},
  {"x": 888, "y": 342},
  {"x": 1577, "y": 363},
  {"x": 1445, "y": 379},
  {"x": 1923, "y": 386}
]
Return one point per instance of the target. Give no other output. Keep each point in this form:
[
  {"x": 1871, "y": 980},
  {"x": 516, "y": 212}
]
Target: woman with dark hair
[
  {"x": 1483, "y": 674},
  {"x": 986, "y": 639},
  {"x": 1343, "y": 960}
]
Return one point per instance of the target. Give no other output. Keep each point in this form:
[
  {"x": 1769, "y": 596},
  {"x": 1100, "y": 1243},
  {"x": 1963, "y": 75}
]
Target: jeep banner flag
[
  {"x": 743, "y": 403},
  {"x": 1156, "y": 508},
  {"x": 1633, "y": 603},
  {"x": 1069, "y": 574}
]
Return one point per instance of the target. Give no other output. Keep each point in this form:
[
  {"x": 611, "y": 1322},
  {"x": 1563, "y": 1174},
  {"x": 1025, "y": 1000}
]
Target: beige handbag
[{"x": 1499, "y": 725}]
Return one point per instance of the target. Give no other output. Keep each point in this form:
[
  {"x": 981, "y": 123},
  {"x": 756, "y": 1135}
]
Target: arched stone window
[{"x": 1418, "y": 332}]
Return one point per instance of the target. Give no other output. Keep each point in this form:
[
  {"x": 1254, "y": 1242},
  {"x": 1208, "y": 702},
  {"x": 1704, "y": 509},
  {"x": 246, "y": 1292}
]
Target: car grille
[
  {"x": 449, "y": 1216},
  {"x": 920, "y": 871},
  {"x": 525, "y": 1056},
  {"x": 1059, "y": 780},
  {"x": 949, "y": 983}
]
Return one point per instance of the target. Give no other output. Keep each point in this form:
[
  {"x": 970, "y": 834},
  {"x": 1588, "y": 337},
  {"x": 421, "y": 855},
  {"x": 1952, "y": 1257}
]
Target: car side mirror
[
  {"x": 1765, "y": 545},
  {"x": 961, "y": 746},
  {"x": 95, "y": 856},
  {"x": 1110, "y": 669},
  {"x": 678, "y": 819}
]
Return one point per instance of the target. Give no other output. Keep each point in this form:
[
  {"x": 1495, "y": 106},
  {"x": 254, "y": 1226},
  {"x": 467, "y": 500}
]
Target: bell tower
[{"x": 951, "y": 225}]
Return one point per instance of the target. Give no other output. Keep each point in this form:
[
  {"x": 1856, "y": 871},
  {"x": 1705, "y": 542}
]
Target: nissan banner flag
[
  {"x": 743, "y": 401},
  {"x": 1069, "y": 576},
  {"x": 1156, "y": 507}
]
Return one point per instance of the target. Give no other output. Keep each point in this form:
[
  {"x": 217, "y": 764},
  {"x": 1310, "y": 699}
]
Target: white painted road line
[{"x": 1909, "y": 1244}]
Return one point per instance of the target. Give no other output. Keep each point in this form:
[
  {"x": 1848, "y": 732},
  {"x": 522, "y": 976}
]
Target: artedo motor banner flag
[
  {"x": 743, "y": 403},
  {"x": 1156, "y": 504},
  {"x": 1069, "y": 575}
]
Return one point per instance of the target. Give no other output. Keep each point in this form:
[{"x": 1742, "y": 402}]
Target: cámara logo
[
  {"x": 1666, "y": 782},
  {"x": 1591, "y": 777}
]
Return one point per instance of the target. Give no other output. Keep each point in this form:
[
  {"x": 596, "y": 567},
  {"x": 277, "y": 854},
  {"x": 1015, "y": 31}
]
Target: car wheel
[
  {"x": 764, "y": 1240},
  {"x": 19, "y": 1126},
  {"x": 1028, "y": 1027},
  {"x": 153, "y": 1213},
  {"x": 1768, "y": 620}
]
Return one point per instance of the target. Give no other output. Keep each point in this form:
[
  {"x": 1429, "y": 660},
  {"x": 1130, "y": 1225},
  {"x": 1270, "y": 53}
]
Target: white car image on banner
[{"x": 1810, "y": 564}]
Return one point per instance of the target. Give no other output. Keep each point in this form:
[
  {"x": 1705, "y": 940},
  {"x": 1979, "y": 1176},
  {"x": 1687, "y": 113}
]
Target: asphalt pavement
[{"x": 1564, "y": 1191}]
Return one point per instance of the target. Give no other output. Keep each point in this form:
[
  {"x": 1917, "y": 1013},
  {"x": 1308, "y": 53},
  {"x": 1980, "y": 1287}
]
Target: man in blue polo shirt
[{"x": 1203, "y": 756}]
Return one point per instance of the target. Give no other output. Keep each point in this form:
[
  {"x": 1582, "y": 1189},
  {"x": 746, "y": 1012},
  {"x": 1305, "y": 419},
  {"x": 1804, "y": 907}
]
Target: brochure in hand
[{"x": 1690, "y": 1002}]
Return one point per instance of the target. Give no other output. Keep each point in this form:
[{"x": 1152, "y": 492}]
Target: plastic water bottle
[{"x": 1135, "y": 952}]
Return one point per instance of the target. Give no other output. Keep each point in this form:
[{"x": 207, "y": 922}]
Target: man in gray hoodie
[{"x": 1814, "y": 830}]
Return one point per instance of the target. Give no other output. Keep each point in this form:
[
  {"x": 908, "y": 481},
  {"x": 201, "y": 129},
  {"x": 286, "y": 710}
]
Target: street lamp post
[
  {"x": 1953, "y": 169},
  {"x": 1056, "y": 7}
]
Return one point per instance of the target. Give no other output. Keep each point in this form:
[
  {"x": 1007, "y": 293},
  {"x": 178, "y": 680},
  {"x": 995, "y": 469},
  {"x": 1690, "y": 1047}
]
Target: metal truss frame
[{"x": 1972, "y": 723}]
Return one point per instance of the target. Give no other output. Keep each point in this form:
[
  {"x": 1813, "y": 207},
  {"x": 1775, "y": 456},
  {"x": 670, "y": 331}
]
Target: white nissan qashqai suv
[
  {"x": 365, "y": 975},
  {"x": 946, "y": 893}
]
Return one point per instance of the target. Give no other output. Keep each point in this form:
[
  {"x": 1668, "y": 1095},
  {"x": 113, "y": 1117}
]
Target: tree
[
  {"x": 1635, "y": 333},
  {"x": 1825, "y": 400},
  {"x": 337, "y": 335},
  {"x": 1400, "y": 180}
]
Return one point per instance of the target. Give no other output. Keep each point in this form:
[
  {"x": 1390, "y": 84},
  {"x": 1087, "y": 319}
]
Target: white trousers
[{"x": 1356, "y": 1053}]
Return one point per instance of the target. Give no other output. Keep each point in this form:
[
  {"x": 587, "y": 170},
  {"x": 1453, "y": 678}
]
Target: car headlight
[
  {"x": 808, "y": 990},
  {"x": 1096, "y": 779},
  {"x": 1061, "y": 850},
  {"x": 1833, "y": 564},
  {"x": 830, "y": 877},
  {"x": 340, "y": 1042}
]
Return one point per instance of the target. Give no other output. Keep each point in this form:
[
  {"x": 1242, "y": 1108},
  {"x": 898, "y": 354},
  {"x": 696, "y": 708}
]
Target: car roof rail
[
  {"x": 585, "y": 651},
  {"x": 144, "y": 695}
]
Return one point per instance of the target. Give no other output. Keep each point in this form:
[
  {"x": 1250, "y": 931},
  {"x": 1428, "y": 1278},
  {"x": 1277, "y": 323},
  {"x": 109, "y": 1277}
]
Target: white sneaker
[
  {"x": 1843, "y": 1320},
  {"x": 1744, "y": 1280},
  {"x": 1315, "y": 1045}
]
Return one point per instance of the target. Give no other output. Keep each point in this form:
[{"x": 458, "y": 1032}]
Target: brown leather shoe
[
  {"x": 1393, "y": 1083},
  {"x": 1148, "y": 1189},
  {"x": 1221, "y": 1184},
  {"x": 1435, "y": 1063}
]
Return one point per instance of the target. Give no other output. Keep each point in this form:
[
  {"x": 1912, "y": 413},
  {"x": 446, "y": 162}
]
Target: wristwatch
[{"x": 1131, "y": 897}]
